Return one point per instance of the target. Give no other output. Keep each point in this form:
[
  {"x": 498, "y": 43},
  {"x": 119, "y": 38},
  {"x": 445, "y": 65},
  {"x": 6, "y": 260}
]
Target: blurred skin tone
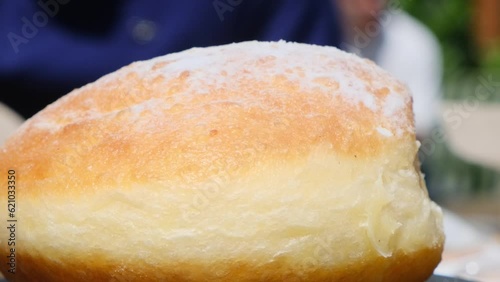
[{"x": 357, "y": 13}]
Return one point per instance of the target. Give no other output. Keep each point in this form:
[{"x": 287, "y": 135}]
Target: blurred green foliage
[{"x": 452, "y": 23}]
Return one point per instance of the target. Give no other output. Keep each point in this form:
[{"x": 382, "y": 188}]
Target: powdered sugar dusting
[
  {"x": 308, "y": 67},
  {"x": 393, "y": 104},
  {"x": 384, "y": 131},
  {"x": 309, "y": 63}
]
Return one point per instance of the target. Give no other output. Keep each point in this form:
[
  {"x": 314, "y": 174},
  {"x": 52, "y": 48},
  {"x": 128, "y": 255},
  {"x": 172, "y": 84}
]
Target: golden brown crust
[
  {"x": 416, "y": 267},
  {"x": 138, "y": 113}
]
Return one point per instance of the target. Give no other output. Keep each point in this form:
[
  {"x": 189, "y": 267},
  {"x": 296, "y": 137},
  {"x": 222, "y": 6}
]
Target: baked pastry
[{"x": 254, "y": 161}]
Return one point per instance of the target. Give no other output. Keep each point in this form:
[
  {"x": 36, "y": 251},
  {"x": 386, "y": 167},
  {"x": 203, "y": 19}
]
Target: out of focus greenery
[{"x": 453, "y": 24}]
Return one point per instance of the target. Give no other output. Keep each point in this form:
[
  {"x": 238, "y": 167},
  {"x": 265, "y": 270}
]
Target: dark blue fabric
[{"x": 75, "y": 43}]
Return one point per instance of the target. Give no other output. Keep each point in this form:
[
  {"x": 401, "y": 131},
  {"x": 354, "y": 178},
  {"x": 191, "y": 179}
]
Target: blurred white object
[
  {"x": 9, "y": 122},
  {"x": 473, "y": 131},
  {"x": 460, "y": 234},
  {"x": 469, "y": 253}
]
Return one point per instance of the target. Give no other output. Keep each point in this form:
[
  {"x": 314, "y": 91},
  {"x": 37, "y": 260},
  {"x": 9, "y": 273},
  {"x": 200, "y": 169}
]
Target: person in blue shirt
[{"x": 49, "y": 47}]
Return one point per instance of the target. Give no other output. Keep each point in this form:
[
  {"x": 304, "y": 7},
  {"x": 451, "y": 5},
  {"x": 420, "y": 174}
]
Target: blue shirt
[{"x": 49, "y": 47}]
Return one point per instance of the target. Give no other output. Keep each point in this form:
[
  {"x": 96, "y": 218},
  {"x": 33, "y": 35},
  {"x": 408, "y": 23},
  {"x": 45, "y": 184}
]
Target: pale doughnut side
[{"x": 254, "y": 161}]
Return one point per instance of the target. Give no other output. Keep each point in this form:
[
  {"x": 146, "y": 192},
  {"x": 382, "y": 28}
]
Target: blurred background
[
  {"x": 469, "y": 35},
  {"x": 448, "y": 52}
]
